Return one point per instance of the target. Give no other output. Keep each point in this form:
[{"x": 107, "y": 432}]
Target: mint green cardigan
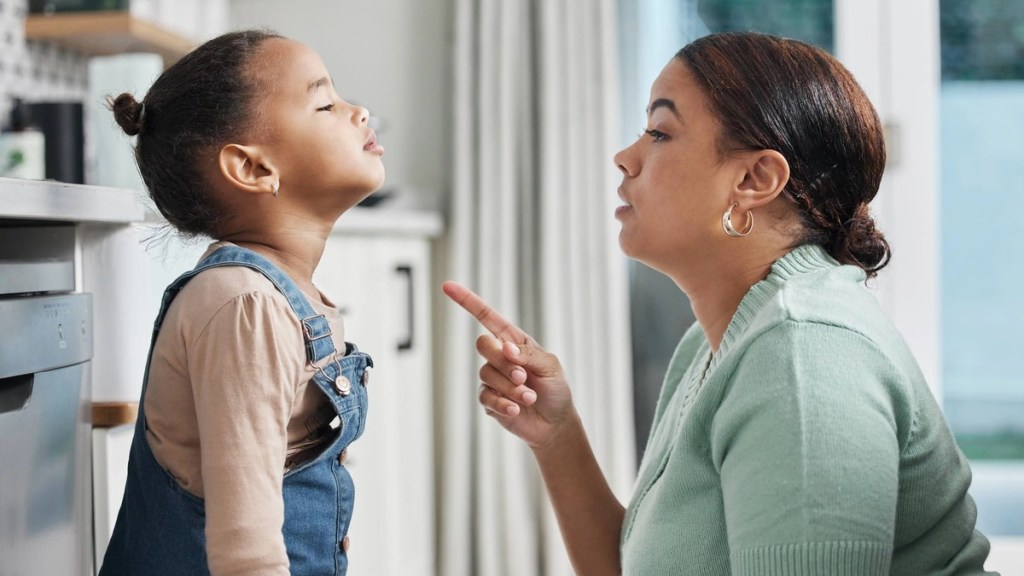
[{"x": 810, "y": 444}]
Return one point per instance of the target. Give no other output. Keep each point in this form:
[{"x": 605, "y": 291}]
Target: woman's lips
[{"x": 626, "y": 206}]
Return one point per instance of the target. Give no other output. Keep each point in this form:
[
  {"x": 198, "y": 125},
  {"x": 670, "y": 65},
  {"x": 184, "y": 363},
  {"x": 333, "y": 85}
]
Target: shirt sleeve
[
  {"x": 806, "y": 442},
  {"x": 243, "y": 366}
]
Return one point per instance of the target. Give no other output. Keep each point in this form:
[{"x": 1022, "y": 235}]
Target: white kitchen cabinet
[
  {"x": 110, "y": 450},
  {"x": 381, "y": 282}
]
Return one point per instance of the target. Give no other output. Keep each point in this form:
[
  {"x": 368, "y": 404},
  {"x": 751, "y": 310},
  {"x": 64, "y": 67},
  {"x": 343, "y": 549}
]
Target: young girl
[{"x": 251, "y": 393}]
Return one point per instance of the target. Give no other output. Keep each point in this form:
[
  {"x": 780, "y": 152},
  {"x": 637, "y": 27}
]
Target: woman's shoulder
[
  {"x": 808, "y": 287},
  {"x": 830, "y": 319},
  {"x": 817, "y": 321},
  {"x": 822, "y": 340}
]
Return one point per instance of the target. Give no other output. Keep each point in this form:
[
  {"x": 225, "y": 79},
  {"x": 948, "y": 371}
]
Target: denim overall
[{"x": 159, "y": 529}]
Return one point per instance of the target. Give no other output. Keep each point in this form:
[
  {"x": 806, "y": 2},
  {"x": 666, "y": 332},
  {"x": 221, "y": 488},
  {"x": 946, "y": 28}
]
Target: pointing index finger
[{"x": 488, "y": 317}]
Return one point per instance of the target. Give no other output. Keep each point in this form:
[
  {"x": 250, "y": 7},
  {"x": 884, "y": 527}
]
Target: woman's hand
[{"x": 524, "y": 387}]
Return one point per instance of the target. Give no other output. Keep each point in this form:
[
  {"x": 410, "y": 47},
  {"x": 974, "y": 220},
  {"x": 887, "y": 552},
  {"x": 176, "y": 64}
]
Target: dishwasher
[{"x": 45, "y": 405}]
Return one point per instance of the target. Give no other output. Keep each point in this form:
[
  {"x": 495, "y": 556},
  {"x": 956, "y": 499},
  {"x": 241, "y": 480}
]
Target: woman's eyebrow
[{"x": 663, "y": 103}]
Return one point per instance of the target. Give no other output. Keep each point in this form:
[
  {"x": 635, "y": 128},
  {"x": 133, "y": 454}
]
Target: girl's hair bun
[{"x": 127, "y": 113}]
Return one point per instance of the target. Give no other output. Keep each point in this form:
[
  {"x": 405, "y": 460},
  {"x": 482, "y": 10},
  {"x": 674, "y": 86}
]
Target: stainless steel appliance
[{"x": 45, "y": 406}]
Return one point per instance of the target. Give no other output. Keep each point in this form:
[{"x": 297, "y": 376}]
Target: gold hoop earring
[
  {"x": 276, "y": 187},
  {"x": 727, "y": 223}
]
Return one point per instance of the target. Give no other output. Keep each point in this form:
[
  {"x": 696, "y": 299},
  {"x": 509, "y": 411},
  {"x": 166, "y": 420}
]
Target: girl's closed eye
[
  {"x": 326, "y": 108},
  {"x": 656, "y": 135}
]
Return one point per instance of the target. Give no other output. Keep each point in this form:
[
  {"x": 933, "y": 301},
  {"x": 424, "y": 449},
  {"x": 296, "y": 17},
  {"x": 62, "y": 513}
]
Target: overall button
[
  {"x": 366, "y": 377},
  {"x": 343, "y": 385},
  {"x": 343, "y": 545},
  {"x": 343, "y": 457}
]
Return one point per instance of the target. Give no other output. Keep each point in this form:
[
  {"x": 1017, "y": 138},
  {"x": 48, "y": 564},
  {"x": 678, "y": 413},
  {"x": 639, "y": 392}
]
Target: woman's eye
[
  {"x": 656, "y": 135},
  {"x": 327, "y": 108}
]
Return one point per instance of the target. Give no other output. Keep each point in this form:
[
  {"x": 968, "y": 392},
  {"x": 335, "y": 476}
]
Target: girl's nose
[{"x": 363, "y": 115}]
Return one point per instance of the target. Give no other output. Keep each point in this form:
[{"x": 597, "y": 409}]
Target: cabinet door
[{"x": 382, "y": 287}]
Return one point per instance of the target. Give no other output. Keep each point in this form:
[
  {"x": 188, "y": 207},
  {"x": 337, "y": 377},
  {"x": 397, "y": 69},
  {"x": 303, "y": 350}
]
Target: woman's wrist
[{"x": 562, "y": 433}]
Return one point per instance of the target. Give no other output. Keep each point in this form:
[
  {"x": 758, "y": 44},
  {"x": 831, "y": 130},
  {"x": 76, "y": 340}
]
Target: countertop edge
[
  {"x": 62, "y": 202},
  {"x": 360, "y": 221},
  {"x": 390, "y": 221}
]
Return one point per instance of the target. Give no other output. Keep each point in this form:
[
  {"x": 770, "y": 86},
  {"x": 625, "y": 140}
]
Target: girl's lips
[{"x": 372, "y": 145}]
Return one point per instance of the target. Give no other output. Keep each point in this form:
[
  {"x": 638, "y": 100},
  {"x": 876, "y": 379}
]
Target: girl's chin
[{"x": 375, "y": 197}]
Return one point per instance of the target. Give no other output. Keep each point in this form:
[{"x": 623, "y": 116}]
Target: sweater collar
[{"x": 801, "y": 260}]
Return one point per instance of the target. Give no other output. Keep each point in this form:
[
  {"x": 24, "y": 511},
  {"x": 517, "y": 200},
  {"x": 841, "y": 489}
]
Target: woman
[{"x": 795, "y": 433}]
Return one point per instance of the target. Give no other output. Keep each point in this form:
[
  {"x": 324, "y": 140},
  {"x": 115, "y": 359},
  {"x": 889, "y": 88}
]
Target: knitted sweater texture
[{"x": 809, "y": 444}]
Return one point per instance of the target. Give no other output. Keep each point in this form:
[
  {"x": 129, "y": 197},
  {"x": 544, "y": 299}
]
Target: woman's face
[{"x": 675, "y": 183}]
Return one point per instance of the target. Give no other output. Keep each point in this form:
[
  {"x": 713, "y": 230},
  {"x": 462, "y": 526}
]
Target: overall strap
[{"x": 316, "y": 330}]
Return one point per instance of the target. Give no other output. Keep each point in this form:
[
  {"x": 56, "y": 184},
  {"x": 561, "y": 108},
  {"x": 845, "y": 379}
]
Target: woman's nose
[{"x": 624, "y": 162}]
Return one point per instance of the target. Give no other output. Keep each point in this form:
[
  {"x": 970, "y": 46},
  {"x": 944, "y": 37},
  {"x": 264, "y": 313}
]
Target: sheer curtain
[{"x": 531, "y": 230}]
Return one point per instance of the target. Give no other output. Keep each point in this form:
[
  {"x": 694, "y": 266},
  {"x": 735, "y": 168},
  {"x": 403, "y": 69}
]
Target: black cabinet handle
[{"x": 411, "y": 311}]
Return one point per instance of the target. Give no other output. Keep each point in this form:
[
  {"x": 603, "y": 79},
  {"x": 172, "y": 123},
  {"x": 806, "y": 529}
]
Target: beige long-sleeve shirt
[{"x": 230, "y": 404}]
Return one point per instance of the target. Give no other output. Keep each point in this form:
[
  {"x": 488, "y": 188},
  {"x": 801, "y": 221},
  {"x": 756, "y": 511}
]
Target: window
[{"x": 982, "y": 313}]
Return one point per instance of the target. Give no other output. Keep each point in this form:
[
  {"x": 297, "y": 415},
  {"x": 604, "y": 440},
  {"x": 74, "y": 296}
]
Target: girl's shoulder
[
  {"x": 214, "y": 288},
  {"x": 227, "y": 296}
]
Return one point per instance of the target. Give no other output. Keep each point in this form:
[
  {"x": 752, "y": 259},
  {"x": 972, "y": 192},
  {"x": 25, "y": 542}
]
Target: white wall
[
  {"x": 394, "y": 58},
  {"x": 892, "y": 48}
]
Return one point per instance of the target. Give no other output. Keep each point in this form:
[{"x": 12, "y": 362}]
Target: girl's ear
[
  {"x": 246, "y": 170},
  {"x": 765, "y": 175}
]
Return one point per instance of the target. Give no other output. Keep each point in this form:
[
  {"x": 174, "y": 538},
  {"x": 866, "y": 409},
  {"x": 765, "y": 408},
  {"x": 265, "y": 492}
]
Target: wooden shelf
[
  {"x": 103, "y": 33},
  {"x": 112, "y": 414}
]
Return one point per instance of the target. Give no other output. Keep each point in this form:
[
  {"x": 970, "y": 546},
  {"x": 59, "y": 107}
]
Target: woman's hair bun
[
  {"x": 862, "y": 244},
  {"x": 127, "y": 113}
]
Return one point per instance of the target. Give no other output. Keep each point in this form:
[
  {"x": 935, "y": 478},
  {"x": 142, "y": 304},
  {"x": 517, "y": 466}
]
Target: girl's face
[
  {"x": 675, "y": 183},
  {"x": 320, "y": 144}
]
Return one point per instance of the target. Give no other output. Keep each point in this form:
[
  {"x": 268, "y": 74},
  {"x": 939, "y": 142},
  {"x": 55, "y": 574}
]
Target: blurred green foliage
[
  {"x": 1006, "y": 446},
  {"x": 810, "y": 21},
  {"x": 982, "y": 39}
]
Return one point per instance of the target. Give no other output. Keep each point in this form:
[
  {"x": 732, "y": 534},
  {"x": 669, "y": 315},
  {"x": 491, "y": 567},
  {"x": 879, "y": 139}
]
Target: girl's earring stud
[{"x": 276, "y": 188}]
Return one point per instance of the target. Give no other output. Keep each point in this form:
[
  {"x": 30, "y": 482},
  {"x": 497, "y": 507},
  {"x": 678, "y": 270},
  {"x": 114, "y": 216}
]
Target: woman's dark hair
[
  {"x": 198, "y": 104},
  {"x": 777, "y": 94}
]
